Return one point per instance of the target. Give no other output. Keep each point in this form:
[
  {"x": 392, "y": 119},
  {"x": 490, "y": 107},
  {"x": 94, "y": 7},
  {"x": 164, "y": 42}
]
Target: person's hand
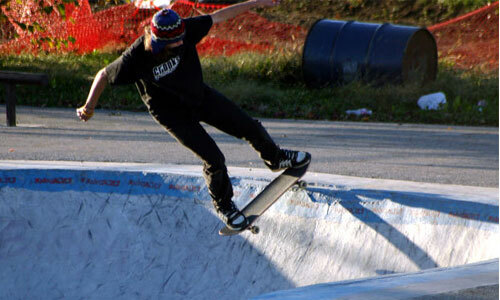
[
  {"x": 84, "y": 113},
  {"x": 268, "y": 2}
]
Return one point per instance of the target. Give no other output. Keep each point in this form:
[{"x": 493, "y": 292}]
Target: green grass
[
  {"x": 268, "y": 90},
  {"x": 70, "y": 80},
  {"x": 272, "y": 86}
]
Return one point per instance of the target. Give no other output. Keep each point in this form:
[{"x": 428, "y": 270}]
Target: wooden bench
[{"x": 10, "y": 79}]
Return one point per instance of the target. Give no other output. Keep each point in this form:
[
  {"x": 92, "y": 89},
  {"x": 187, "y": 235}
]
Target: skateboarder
[{"x": 164, "y": 65}]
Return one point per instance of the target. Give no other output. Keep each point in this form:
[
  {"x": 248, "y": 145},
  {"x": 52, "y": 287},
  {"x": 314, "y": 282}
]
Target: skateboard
[{"x": 271, "y": 193}]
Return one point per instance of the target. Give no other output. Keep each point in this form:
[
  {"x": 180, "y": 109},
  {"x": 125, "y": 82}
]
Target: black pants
[{"x": 218, "y": 111}]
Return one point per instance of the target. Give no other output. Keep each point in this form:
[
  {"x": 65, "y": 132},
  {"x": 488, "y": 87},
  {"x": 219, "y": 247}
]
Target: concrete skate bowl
[{"x": 94, "y": 231}]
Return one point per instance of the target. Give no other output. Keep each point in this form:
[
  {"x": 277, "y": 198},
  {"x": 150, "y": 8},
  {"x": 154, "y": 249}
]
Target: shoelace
[
  {"x": 290, "y": 156},
  {"x": 230, "y": 214}
]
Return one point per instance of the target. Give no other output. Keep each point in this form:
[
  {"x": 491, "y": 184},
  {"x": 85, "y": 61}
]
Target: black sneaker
[
  {"x": 289, "y": 159},
  {"x": 230, "y": 214}
]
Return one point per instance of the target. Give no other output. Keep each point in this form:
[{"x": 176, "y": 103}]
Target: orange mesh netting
[
  {"x": 469, "y": 41},
  {"x": 120, "y": 25},
  {"x": 114, "y": 26}
]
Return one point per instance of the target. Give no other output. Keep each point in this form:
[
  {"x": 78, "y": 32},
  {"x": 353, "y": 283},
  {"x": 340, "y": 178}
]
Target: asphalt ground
[{"x": 422, "y": 153}]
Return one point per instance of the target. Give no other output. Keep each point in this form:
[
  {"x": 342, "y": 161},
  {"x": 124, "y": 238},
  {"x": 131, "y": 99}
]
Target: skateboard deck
[{"x": 271, "y": 193}]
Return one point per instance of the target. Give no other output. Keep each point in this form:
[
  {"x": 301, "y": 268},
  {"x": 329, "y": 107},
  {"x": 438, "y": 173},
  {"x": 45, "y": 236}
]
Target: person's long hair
[{"x": 147, "y": 38}]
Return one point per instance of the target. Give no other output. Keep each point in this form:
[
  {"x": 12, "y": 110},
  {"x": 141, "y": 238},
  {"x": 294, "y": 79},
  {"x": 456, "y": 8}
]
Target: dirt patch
[{"x": 470, "y": 41}]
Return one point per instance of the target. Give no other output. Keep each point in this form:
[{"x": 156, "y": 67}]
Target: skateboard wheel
[
  {"x": 301, "y": 184},
  {"x": 254, "y": 229}
]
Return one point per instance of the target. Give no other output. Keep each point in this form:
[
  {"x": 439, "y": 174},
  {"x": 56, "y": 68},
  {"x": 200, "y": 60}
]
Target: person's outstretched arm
[
  {"x": 87, "y": 111},
  {"x": 232, "y": 11}
]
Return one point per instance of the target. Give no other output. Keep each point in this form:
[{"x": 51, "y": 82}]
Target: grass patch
[
  {"x": 272, "y": 86},
  {"x": 70, "y": 79}
]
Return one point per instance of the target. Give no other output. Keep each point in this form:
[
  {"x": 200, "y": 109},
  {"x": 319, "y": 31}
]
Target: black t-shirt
[{"x": 174, "y": 81}]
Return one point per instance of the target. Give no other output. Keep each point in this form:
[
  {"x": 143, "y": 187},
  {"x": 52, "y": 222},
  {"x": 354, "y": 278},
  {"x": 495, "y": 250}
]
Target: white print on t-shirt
[{"x": 166, "y": 68}]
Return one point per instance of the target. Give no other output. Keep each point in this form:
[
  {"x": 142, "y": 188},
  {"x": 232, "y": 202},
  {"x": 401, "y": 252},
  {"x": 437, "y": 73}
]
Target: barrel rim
[
  {"x": 426, "y": 31},
  {"x": 304, "y": 49},
  {"x": 333, "y": 64}
]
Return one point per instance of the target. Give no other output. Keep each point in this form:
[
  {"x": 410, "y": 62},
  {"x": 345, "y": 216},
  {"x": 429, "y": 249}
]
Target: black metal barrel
[{"x": 339, "y": 52}]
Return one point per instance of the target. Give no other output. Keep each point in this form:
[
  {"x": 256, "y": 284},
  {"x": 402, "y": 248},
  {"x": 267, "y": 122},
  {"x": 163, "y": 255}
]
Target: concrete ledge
[
  {"x": 482, "y": 194},
  {"x": 437, "y": 283},
  {"x": 487, "y": 292}
]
